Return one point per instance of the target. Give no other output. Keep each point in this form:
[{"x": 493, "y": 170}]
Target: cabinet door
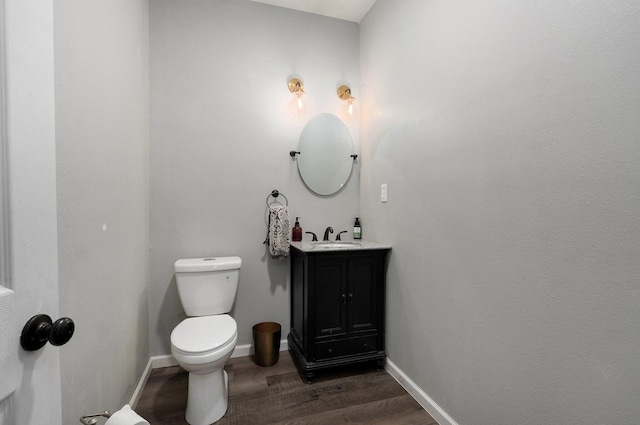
[
  {"x": 330, "y": 296},
  {"x": 363, "y": 294}
]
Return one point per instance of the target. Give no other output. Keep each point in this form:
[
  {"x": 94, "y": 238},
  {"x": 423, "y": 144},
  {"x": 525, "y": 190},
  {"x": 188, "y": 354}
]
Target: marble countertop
[{"x": 347, "y": 245}]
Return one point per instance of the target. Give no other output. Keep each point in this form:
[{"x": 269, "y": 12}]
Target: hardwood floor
[{"x": 279, "y": 395}]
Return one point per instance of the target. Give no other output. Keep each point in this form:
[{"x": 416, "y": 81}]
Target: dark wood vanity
[{"x": 337, "y": 305}]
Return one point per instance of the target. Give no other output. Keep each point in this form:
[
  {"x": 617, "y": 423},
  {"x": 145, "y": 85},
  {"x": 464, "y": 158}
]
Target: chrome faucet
[{"x": 326, "y": 233}]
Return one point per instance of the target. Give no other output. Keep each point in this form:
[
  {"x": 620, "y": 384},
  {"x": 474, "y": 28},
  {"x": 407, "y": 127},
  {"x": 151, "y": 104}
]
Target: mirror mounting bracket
[{"x": 293, "y": 154}]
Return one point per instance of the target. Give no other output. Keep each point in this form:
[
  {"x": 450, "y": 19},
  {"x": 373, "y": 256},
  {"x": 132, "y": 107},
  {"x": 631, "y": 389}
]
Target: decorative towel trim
[{"x": 278, "y": 232}]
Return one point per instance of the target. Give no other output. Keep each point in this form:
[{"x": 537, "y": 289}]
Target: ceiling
[{"x": 348, "y": 10}]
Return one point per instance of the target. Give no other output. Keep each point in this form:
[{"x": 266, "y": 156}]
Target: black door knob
[
  {"x": 39, "y": 329},
  {"x": 61, "y": 331}
]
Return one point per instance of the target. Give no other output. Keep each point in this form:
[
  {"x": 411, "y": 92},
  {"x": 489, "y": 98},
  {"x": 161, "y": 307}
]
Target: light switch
[{"x": 383, "y": 192}]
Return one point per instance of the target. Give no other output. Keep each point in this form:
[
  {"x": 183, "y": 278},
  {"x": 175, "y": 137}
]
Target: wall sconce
[
  {"x": 298, "y": 105},
  {"x": 344, "y": 93}
]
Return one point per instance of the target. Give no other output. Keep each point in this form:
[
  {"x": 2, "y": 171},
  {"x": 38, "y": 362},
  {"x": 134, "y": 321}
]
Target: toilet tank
[{"x": 207, "y": 286}]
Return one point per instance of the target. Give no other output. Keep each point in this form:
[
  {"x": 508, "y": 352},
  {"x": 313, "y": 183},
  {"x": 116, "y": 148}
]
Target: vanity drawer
[{"x": 333, "y": 349}]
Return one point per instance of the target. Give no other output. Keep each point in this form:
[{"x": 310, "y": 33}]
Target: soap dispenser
[
  {"x": 296, "y": 233},
  {"x": 357, "y": 229}
]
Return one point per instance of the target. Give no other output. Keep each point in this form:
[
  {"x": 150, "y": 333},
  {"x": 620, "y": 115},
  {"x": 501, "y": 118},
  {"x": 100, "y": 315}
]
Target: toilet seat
[{"x": 204, "y": 335}]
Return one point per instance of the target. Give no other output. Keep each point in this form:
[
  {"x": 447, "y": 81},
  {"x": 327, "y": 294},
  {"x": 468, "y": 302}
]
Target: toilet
[{"x": 204, "y": 341}]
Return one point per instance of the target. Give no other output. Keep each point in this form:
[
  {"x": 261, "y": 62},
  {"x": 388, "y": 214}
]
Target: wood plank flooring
[{"x": 279, "y": 395}]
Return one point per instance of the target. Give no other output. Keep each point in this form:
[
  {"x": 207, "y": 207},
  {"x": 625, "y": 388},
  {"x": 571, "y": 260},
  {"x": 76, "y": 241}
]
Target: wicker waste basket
[{"x": 266, "y": 341}]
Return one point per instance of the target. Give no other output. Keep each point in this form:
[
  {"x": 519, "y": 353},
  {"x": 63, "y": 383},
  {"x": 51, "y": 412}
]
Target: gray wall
[
  {"x": 508, "y": 135},
  {"x": 220, "y": 137},
  {"x": 101, "y": 73}
]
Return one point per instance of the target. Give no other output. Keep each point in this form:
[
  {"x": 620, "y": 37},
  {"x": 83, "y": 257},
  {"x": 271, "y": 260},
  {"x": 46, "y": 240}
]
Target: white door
[{"x": 28, "y": 111}]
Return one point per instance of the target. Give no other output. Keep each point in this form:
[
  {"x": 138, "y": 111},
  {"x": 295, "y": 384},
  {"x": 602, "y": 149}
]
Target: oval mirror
[{"x": 325, "y": 160}]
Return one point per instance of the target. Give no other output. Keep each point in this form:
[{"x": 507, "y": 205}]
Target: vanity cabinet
[{"x": 337, "y": 307}]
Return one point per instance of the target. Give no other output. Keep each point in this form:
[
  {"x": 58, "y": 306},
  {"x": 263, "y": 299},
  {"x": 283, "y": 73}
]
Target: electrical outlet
[{"x": 383, "y": 192}]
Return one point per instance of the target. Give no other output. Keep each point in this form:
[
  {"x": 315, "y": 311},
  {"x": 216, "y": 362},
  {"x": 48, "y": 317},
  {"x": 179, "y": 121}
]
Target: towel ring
[{"x": 274, "y": 194}]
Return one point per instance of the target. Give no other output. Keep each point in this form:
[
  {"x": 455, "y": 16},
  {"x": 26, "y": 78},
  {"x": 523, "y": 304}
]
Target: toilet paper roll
[{"x": 126, "y": 416}]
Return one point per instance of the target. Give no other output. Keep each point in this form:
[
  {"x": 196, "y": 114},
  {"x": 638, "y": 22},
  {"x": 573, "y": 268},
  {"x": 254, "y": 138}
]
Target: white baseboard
[
  {"x": 158, "y": 362},
  {"x": 247, "y": 349},
  {"x": 167, "y": 360},
  {"x": 143, "y": 381},
  {"x": 420, "y": 396}
]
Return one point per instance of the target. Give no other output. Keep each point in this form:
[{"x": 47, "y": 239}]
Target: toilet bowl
[
  {"x": 204, "y": 341},
  {"x": 201, "y": 346}
]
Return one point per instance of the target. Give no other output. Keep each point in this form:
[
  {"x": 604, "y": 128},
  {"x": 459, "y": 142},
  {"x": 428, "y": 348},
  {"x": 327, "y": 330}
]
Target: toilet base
[{"x": 207, "y": 398}]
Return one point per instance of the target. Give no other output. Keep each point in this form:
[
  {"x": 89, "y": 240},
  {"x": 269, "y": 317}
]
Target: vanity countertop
[{"x": 347, "y": 245}]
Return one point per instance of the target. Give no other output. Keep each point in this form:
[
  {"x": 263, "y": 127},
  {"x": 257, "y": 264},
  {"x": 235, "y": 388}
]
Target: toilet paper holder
[{"x": 93, "y": 419}]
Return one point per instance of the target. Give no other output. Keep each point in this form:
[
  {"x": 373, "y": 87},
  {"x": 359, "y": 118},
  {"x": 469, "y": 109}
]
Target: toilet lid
[{"x": 205, "y": 333}]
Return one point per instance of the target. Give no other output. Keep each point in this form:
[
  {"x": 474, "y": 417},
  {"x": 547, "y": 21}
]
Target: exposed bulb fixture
[
  {"x": 298, "y": 105},
  {"x": 344, "y": 93}
]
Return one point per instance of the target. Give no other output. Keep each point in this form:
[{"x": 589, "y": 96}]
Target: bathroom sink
[
  {"x": 335, "y": 245},
  {"x": 328, "y": 246}
]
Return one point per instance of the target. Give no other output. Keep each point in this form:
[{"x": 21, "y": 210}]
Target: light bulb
[
  {"x": 348, "y": 108},
  {"x": 298, "y": 104}
]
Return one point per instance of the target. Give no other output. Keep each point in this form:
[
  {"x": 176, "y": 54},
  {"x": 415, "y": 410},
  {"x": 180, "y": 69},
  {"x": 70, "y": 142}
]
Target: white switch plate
[{"x": 383, "y": 192}]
